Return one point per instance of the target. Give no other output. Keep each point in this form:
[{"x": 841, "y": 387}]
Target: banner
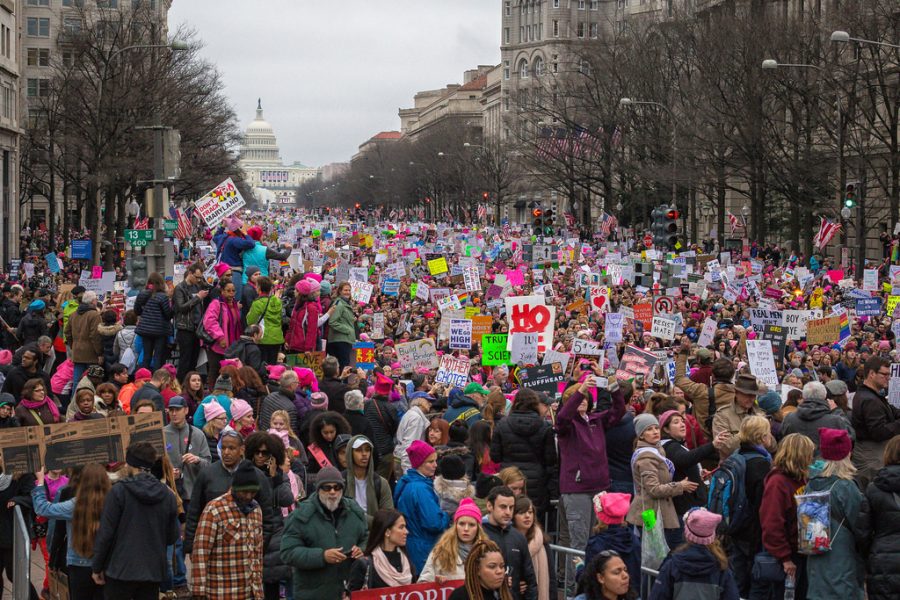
[
  {"x": 545, "y": 378},
  {"x": 762, "y": 362},
  {"x": 528, "y": 314},
  {"x": 452, "y": 371},
  {"x": 418, "y": 591},
  {"x": 420, "y": 354},
  {"x": 223, "y": 201},
  {"x": 494, "y": 350},
  {"x": 635, "y": 362}
]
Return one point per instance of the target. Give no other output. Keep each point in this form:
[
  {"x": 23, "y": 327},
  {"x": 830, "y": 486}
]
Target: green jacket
[
  {"x": 378, "y": 495},
  {"x": 273, "y": 333},
  {"x": 308, "y": 532},
  {"x": 69, "y": 309},
  {"x": 342, "y": 323}
]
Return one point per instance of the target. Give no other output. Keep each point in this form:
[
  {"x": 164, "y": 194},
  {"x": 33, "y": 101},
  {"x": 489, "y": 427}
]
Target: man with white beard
[{"x": 322, "y": 538}]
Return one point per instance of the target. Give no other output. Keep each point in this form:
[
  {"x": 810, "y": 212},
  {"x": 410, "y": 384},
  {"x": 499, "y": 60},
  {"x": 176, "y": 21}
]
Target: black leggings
[{"x": 81, "y": 586}]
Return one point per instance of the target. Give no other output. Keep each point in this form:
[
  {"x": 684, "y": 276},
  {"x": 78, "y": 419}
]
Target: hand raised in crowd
[{"x": 721, "y": 440}]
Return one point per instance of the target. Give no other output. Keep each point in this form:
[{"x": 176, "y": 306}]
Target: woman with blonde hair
[
  {"x": 82, "y": 516},
  {"x": 778, "y": 515},
  {"x": 485, "y": 575},
  {"x": 839, "y": 572},
  {"x": 514, "y": 479},
  {"x": 446, "y": 561}
]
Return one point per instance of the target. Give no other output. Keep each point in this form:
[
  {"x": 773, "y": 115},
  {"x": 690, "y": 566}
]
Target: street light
[
  {"x": 843, "y": 37},
  {"x": 770, "y": 64},
  {"x": 628, "y": 103}
]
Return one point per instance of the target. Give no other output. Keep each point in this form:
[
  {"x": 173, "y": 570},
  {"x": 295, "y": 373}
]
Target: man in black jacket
[
  {"x": 513, "y": 545},
  {"x": 874, "y": 419},
  {"x": 332, "y": 386},
  {"x": 152, "y": 390},
  {"x": 188, "y": 300}
]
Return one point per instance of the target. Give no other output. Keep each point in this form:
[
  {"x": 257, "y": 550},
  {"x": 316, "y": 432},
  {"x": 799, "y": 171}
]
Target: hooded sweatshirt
[
  {"x": 378, "y": 493},
  {"x": 813, "y": 414},
  {"x": 620, "y": 539},
  {"x": 696, "y": 566},
  {"x": 462, "y": 407}
]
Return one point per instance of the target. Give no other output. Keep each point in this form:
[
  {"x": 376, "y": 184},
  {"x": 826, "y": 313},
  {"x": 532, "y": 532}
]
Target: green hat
[{"x": 475, "y": 388}]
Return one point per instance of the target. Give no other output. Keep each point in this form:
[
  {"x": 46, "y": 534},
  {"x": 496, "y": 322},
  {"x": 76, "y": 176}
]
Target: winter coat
[
  {"x": 83, "y": 337},
  {"x": 412, "y": 427},
  {"x": 729, "y": 418},
  {"x": 155, "y": 312},
  {"x": 230, "y": 247},
  {"x": 303, "y": 329},
  {"x": 335, "y": 389},
  {"x": 687, "y": 464},
  {"x": 778, "y": 514},
  {"x": 620, "y": 539},
  {"x": 514, "y": 548},
  {"x": 17, "y": 377},
  {"x": 342, "y": 323},
  {"x": 883, "y": 495},
  {"x": 653, "y": 486},
  {"x": 139, "y": 519},
  {"x": 813, "y": 414},
  {"x": 698, "y": 393},
  {"x": 259, "y": 256},
  {"x": 32, "y": 326},
  {"x": 188, "y": 306},
  {"x": 841, "y": 572},
  {"x": 873, "y": 418},
  {"x": 182, "y": 441},
  {"x": 267, "y": 309},
  {"x": 583, "y": 467},
  {"x": 748, "y": 536},
  {"x": 414, "y": 496},
  {"x": 382, "y": 416},
  {"x": 462, "y": 407},
  {"x": 18, "y": 491},
  {"x": 619, "y": 442},
  {"x": 309, "y": 531},
  {"x": 377, "y": 496},
  {"x": 280, "y": 399},
  {"x": 126, "y": 338},
  {"x": 246, "y": 350},
  {"x": 223, "y": 322},
  {"x": 108, "y": 335},
  {"x": 451, "y": 491},
  {"x": 699, "y": 569},
  {"x": 525, "y": 440},
  {"x": 27, "y": 418}
]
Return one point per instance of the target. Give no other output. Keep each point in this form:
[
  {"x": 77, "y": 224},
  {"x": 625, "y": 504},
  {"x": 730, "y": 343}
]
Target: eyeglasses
[
  {"x": 331, "y": 487},
  {"x": 884, "y": 373}
]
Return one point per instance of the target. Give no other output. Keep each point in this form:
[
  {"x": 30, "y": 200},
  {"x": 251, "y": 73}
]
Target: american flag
[
  {"x": 141, "y": 223},
  {"x": 185, "y": 226},
  {"x": 447, "y": 214},
  {"x": 570, "y": 219},
  {"x": 422, "y": 214},
  {"x": 607, "y": 224},
  {"x": 734, "y": 222},
  {"x": 482, "y": 212},
  {"x": 392, "y": 215},
  {"x": 401, "y": 214},
  {"x": 827, "y": 230},
  {"x": 465, "y": 214}
]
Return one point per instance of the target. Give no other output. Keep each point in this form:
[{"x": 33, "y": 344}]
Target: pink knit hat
[
  {"x": 212, "y": 409},
  {"x": 275, "y": 371},
  {"x": 418, "y": 452},
  {"x": 611, "y": 507},
  {"x": 307, "y": 378},
  {"x": 142, "y": 373},
  {"x": 221, "y": 269},
  {"x": 314, "y": 276},
  {"x": 663, "y": 418},
  {"x": 314, "y": 286},
  {"x": 5, "y": 357},
  {"x": 240, "y": 409},
  {"x": 255, "y": 232},
  {"x": 384, "y": 385},
  {"x": 318, "y": 400},
  {"x": 467, "y": 508},
  {"x": 303, "y": 287},
  {"x": 700, "y": 526}
]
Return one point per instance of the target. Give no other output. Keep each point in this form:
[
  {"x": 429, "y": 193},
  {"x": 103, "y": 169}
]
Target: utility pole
[{"x": 860, "y": 224}]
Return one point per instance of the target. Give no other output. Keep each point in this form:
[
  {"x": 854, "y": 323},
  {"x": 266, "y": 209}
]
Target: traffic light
[
  {"x": 665, "y": 226},
  {"x": 850, "y": 195},
  {"x": 548, "y": 221},
  {"x": 137, "y": 272},
  {"x": 485, "y": 196},
  {"x": 538, "y": 221},
  {"x": 671, "y": 230}
]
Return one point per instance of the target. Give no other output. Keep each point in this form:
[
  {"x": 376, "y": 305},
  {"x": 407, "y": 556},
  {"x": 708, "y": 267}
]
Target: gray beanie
[
  {"x": 329, "y": 475},
  {"x": 642, "y": 422}
]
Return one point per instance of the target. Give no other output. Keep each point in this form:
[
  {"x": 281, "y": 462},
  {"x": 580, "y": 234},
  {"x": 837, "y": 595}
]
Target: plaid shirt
[{"x": 228, "y": 552}]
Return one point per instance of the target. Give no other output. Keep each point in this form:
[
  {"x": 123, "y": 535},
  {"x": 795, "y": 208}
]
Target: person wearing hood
[
  {"x": 33, "y": 325},
  {"x": 414, "y": 496},
  {"x": 465, "y": 405},
  {"x": 367, "y": 488},
  {"x": 412, "y": 427},
  {"x": 139, "y": 521},
  {"x": 883, "y": 579},
  {"x": 259, "y": 255},
  {"x": 246, "y": 349},
  {"x": 226, "y": 565},
  {"x": 612, "y": 534},
  {"x": 524, "y": 439},
  {"x": 699, "y": 563},
  {"x": 816, "y": 411},
  {"x": 7, "y": 410},
  {"x": 83, "y": 336},
  {"x": 452, "y": 484}
]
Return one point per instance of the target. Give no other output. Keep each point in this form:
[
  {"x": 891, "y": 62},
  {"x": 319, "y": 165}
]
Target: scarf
[
  {"x": 36, "y": 406},
  {"x": 5, "y": 480},
  {"x": 541, "y": 565},
  {"x": 463, "y": 551},
  {"x": 386, "y": 570}
]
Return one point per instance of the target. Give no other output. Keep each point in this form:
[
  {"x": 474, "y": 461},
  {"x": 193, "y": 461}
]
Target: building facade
[
  {"x": 10, "y": 130},
  {"x": 271, "y": 181}
]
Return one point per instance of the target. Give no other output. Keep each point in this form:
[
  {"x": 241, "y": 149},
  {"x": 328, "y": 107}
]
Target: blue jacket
[
  {"x": 230, "y": 247},
  {"x": 155, "y": 312},
  {"x": 459, "y": 404},
  {"x": 621, "y": 539},
  {"x": 259, "y": 256},
  {"x": 697, "y": 566},
  {"x": 415, "y": 497},
  {"x": 59, "y": 510},
  {"x": 200, "y": 417}
]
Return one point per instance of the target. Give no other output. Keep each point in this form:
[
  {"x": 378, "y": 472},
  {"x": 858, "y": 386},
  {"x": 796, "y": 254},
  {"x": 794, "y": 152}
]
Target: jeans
[
  {"x": 740, "y": 558},
  {"x": 78, "y": 372},
  {"x": 154, "y": 351},
  {"x": 116, "y": 589},
  {"x": 188, "y": 352}
]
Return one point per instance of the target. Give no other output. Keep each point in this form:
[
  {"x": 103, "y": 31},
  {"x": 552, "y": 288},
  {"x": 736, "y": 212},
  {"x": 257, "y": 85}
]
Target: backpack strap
[{"x": 466, "y": 414}]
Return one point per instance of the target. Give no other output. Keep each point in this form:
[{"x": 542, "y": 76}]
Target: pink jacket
[
  {"x": 222, "y": 320},
  {"x": 62, "y": 378}
]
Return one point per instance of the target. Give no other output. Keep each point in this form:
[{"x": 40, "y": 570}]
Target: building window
[
  {"x": 555, "y": 3},
  {"x": 595, "y": 30},
  {"x": 538, "y": 66},
  {"x": 540, "y": 31},
  {"x": 581, "y": 4},
  {"x": 506, "y": 69},
  {"x": 555, "y": 28},
  {"x": 38, "y": 27},
  {"x": 143, "y": 3},
  {"x": 507, "y": 8},
  {"x": 585, "y": 67},
  {"x": 68, "y": 58},
  {"x": 595, "y": 4},
  {"x": 38, "y": 57},
  {"x": 556, "y": 63},
  {"x": 38, "y": 88},
  {"x": 72, "y": 24},
  {"x": 9, "y": 105},
  {"x": 75, "y": 3},
  {"x": 38, "y": 2},
  {"x": 108, "y": 3},
  {"x": 580, "y": 29},
  {"x": 521, "y": 34},
  {"x": 506, "y": 35},
  {"x": 523, "y": 69}
]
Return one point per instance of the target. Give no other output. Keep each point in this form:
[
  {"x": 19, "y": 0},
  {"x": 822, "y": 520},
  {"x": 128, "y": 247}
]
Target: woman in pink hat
[
  {"x": 415, "y": 497},
  {"x": 446, "y": 560},
  {"x": 612, "y": 533}
]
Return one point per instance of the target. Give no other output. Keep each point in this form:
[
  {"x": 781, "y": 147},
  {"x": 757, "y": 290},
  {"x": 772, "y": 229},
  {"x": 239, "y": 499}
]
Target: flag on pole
[
  {"x": 827, "y": 231},
  {"x": 570, "y": 219},
  {"x": 447, "y": 214},
  {"x": 607, "y": 224},
  {"x": 141, "y": 223},
  {"x": 734, "y": 222},
  {"x": 482, "y": 212}
]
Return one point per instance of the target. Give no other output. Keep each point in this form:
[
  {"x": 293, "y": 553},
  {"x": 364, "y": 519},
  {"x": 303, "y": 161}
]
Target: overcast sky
[{"x": 332, "y": 73}]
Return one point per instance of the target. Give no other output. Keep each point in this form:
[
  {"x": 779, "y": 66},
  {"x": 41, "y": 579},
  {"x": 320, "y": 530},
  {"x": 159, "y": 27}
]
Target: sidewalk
[{"x": 37, "y": 576}]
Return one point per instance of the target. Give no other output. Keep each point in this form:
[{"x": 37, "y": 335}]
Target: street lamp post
[
  {"x": 844, "y": 37},
  {"x": 628, "y": 102}
]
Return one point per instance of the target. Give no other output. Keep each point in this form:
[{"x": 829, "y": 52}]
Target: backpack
[
  {"x": 129, "y": 356},
  {"x": 728, "y": 493}
]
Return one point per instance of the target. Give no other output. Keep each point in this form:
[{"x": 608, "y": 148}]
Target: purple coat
[{"x": 582, "y": 445}]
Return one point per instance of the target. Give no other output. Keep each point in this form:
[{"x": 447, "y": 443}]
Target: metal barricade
[
  {"x": 21, "y": 556},
  {"x": 569, "y": 555},
  {"x": 648, "y": 577}
]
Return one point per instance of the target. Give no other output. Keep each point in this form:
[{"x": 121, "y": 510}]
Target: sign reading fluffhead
[{"x": 221, "y": 202}]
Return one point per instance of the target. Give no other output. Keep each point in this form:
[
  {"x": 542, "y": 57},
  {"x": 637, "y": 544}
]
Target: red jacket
[{"x": 778, "y": 514}]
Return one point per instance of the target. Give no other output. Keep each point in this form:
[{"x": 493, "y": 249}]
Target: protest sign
[
  {"x": 481, "y": 325},
  {"x": 893, "y": 387},
  {"x": 552, "y": 356},
  {"x": 823, "y": 331},
  {"x": 523, "y": 348},
  {"x": 390, "y": 287},
  {"x": 707, "y": 334},
  {"x": 795, "y": 322},
  {"x": 309, "y": 360},
  {"x": 378, "y": 326},
  {"x": 460, "y": 334},
  {"x": 663, "y": 328},
  {"x": 891, "y": 304},
  {"x": 778, "y": 336},
  {"x": 494, "y": 350},
  {"x": 417, "y": 591},
  {"x": 644, "y": 313},
  {"x": 82, "y": 249},
  {"x": 100, "y": 285},
  {"x": 223, "y": 201},
  {"x": 420, "y": 354},
  {"x": 361, "y": 291},
  {"x": 613, "y": 327},
  {"x": 452, "y": 371},
  {"x": 599, "y": 298},
  {"x": 760, "y": 317},
  {"x": 582, "y": 347},
  {"x": 422, "y": 291},
  {"x": 762, "y": 362},
  {"x": 471, "y": 279},
  {"x": 365, "y": 355},
  {"x": 450, "y": 302},
  {"x": 446, "y": 317},
  {"x": 868, "y": 307},
  {"x": 528, "y": 314},
  {"x": 870, "y": 280},
  {"x": 635, "y": 362},
  {"x": 437, "y": 266},
  {"x": 545, "y": 378}
]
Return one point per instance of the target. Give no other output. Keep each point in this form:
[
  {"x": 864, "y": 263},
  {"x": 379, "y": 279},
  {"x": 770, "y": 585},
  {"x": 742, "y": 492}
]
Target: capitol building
[{"x": 272, "y": 182}]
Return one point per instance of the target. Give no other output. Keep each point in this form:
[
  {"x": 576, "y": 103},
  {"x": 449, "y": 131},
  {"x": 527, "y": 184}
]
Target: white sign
[
  {"x": 762, "y": 362},
  {"x": 101, "y": 286},
  {"x": 461, "y": 334},
  {"x": 377, "y": 326},
  {"x": 361, "y": 291},
  {"x": 422, "y": 290},
  {"x": 450, "y": 302},
  {"x": 420, "y": 354},
  {"x": 471, "y": 279},
  {"x": 452, "y": 371},
  {"x": 870, "y": 280},
  {"x": 613, "y": 327},
  {"x": 600, "y": 298},
  {"x": 707, "y": 334},
  {"x": 760, "y": 317},
  {"x": 795, "y": 322},
  {"x": 894, "y": 386},
  {"x": 524, "y": 349},
  {"x": 586, "y": 347},
  {"x": 552, "y": 356},
  {"x": 221, "y": 202},
  {"x": 529, "y": 314},
  {"x": 663, "y": 328}
]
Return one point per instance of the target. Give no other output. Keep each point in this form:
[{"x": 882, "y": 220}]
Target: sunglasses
[
  {"x": 263, "y": 452},
  {"x": 331, "y": 487}
]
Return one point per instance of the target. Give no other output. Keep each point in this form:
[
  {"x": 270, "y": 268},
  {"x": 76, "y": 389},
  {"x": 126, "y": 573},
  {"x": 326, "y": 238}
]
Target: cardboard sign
[
  {"x": 481, "y": 326},
  {"x": 420, "y": 354},
  {"x": 545, "y": 378},
  {"x": 635, "y": 362},
  {"x": 823, "y": 331},
  {"x": 309, "y": 360},
  {"x": 663, "y": 328},
  {"x": 613, "y": 327},
  {"x": 78, "y": 443},
  {"x": 221, "y": 202},
  {"x": 708, "y": 333},
  {"x": 582, "y": 347},
  {"x": 460, "y": 334},
  {"x": 762, "y": 362},
  {"x": 418, "y": 591},
  {"x": 523, "y": 348},
  {"x": 528, "y": 314},
  {"x": 452, "y": 371},
  {"x": 493, "y": 350}
]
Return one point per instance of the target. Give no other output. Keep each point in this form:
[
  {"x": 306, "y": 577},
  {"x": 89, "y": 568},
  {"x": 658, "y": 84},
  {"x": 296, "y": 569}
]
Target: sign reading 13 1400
[{"x": 139, "y": 237}]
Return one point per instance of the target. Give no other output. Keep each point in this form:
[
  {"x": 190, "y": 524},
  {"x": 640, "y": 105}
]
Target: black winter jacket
[
  {"x": 18, "y": 491},
  {"x": 514, "y": 548},
  {"x": 155, "y": 312},
  {"x": 873, "y": 418},
  {"x": 383, "y": 417},
  {"x": 188, "y": 306},
  {"x": 883, "y": 494},
  {"x": 32, "y": 326},
  {"x": 749, "y": 537},
  {"x": 687, "y": 464},
  {"x": 249, "y": 354},
  {"x": 525, "y": 440}
]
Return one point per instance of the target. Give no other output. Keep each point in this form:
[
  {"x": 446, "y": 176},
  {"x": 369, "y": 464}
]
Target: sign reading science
[
  {"x": 417, "y": 591},
  {"x": 221, "y": 202}
]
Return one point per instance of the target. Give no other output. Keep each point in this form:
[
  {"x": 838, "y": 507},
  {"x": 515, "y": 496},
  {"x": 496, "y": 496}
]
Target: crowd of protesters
[{"x": 297, "y": 467}]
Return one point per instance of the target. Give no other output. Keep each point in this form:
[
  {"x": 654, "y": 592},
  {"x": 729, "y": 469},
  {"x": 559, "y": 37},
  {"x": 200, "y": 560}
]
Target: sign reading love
[{"x": 599, "y": 298}]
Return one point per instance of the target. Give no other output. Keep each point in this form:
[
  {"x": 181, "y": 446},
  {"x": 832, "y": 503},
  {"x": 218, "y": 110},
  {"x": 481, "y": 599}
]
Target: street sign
[
  {"x": 170, "y": 225},
  {"x": 139, "y": 238}
]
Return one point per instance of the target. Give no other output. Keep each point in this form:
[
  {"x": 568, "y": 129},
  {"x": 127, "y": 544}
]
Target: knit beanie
[
  {"x": 329, "y": 475},
  {"x": 700, "y": 526},
  {"x": 140, "y": 455},
  {"x": 834, "y": 444},
  {"x": 383, "y": 385},
  {"x": 245, "y": 478},
  {"x": 611, "y": 507},
  {"x": 642, "y": 422},
  {"x": 211, "y": 410},
  {"x": 467, "y": 508},
  {"x": 221, "y": 269},
  {"x": 418, "y": 452},
  {"x": 223, "y": 383},
  {"x": 240, "y": 409},
  {"x": 769, "y": 402},
  {"x": 318, "y": 401},
  {"x": 452, "y": 467}
]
